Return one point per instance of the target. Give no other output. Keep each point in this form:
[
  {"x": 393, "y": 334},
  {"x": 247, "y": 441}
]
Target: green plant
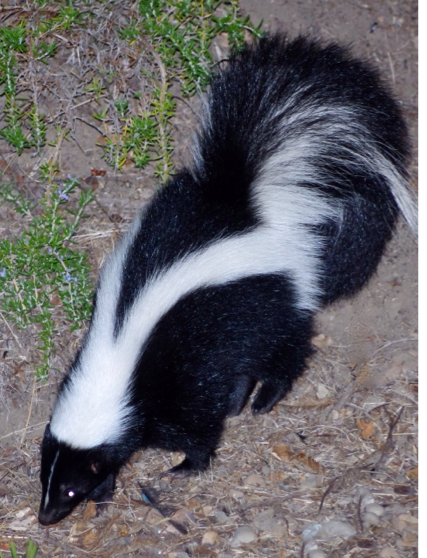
[
  {"x": 30, "y": 553},
  {"x": 40, "y": 271},
  {"x": 181, "y": 33}
]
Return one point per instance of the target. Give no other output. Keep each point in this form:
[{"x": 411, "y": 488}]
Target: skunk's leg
[
  {"x": 194, "y": 462},
  {"x": 103, "y": 493},
  {"x": 243, "y": 388},
  {"x": 267, "y": 396},
  {"x": 285, "y": 366}
]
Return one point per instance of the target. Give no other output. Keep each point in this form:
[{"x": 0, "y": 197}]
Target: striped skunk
[{"x": 298, "y": 178}]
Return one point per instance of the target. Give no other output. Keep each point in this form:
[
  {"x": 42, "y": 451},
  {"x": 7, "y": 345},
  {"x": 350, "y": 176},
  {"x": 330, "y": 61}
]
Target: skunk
[{"x": 299, "y": 175}]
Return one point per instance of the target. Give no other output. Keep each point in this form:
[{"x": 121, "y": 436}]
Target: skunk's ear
[
  {"x": 95, "y": 466},
  {"x": 49, "y": 443}
]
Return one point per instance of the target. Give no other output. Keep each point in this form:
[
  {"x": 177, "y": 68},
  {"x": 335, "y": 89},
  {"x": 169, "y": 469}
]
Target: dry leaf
[
  {"x": 410, "y": 539},
  {"x": 89, "y": 511},
  {"x": 78, "y": 528},
  {"x": 309, "y": 462},
  {"x": 203, "y": 551},
  {"x": 366, "y": 428},
  {"x": 278, "y": 476},
  {"x": 364, "y": 377},
  {"x": 283, "y": 453},
  {"x": 412, "y": 474},
  {"x": 90, "y": 538}
]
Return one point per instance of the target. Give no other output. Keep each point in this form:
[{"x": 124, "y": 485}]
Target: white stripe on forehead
[{"x": 47, "y": 497}]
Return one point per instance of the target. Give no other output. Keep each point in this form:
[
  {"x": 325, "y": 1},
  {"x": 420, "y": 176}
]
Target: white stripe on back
[{"x": 93, "y": 408}]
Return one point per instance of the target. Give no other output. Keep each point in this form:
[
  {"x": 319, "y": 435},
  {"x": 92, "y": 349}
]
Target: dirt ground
[{"x": 332, "y": 470}]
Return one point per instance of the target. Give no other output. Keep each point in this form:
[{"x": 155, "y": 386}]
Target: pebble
[
  {"x": 370, "y": 519},
  {"x": 332, "y": 529},
  {"x": 310, "y": 546},
  {"x": 263, "y": 520},
  {"x": 317, "y": 554},
  {"x": 243, "y": 534},
  {"x": 311, "y": 531},
  {"x": 376, "y": 509},
  {"x": 406, "y": 522},
  {"x": 389, "y": 553},
  {"x": 237, "y": 495},
  {"x": 210, "y": 538},
  {"x": 322, "y": 391},
  {"x": 220, "y": 516}
]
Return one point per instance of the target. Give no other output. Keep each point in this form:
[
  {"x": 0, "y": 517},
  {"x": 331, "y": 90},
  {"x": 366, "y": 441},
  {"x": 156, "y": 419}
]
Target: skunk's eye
[{"x": 71, "y": 493}]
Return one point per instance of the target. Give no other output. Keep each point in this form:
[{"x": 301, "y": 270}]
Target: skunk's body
[{"x": 298, "y": 180}]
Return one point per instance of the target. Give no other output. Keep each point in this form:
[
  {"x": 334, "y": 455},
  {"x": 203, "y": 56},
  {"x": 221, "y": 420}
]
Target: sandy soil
[{"x": 344, "y": 441}]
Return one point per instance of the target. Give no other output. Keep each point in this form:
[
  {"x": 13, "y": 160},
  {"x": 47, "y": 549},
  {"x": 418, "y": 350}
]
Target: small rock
[
  {"x": 310, "y": 546},
  {"x": 243, "y": 534},
  {"x": 322, "y": 392},
  {"x": 408, "y": 539},
  {"x": 210, "y": 538},
  {"x": 317, "y": 554},
  {"x": 311, "y": 531},
  {"x": 183, "y": 515},
  {"x": 237, "y": 495},
  {"x": 221, "y": 517},
  {"x": 332, "y": 529},
  {"x": 406, "y": 522},
  {"x": 263, "y": 520},
  {"x": 255, "y": 480},
  {"x": 370, "y": 519},
  {"x": 376, "y": 509},
  {"x": 389, "y": 553},
  {"x": 396, "y": 509}
]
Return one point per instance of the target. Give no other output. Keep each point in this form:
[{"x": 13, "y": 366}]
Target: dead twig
[
  {"x": 355, "y": 471},
  {"x": 27, "y": 422}
]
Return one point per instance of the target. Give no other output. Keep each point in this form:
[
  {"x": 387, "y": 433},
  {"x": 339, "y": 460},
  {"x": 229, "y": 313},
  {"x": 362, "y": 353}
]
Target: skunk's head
[{"x": 70, "y": 475}]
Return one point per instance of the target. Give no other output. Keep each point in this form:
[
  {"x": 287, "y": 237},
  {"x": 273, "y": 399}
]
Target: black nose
[{"x": 48, "y": 518}]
